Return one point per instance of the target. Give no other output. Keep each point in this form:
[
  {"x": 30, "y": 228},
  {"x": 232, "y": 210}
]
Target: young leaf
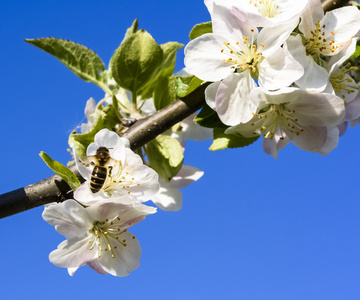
[
  {"x": 184, "y": 85},
  {"x": 164, "y": 92},
  {"x": 132, "y": 29},
  {"x": 64, "y": 172},
  {"x": 224, "y": 141},
  {"x": 208, "y": 117},
  {"x": 136, "y": 61},
  {"x": 200, "y": 29},
  {"x": 165, "y": 156},
  {"x": 105, "y": 117},
  {"x": 166, "y": 69},
  {"x": 79, "y": 59}
]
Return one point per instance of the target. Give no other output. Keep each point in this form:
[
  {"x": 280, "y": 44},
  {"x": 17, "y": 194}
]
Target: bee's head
[{"x": 102, "y": 155}]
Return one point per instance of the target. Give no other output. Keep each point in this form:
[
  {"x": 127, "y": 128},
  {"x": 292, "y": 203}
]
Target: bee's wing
[{"x": 88, "y": 160}]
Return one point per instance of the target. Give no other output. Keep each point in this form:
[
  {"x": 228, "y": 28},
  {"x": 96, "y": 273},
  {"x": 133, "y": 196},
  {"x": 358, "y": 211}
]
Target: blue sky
[{"x": 252, "y": 228}]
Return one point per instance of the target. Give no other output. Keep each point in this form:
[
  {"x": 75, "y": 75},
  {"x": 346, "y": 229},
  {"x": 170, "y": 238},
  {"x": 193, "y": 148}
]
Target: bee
[{"x": 101, "y": 170}]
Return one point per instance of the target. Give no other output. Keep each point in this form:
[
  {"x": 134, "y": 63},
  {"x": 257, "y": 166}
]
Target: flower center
[
  {"x": 105, "y": 236},
  {"x": 342, "y": 85},
  {"x": 317, "y": 44},
  {"x": 243, "y": 58},
  {"x": 119, "y": 180},
  {"x": 266, "y": 8},
  {"x": 274, "y": 117}
]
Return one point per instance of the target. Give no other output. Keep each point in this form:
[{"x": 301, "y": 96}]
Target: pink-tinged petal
[
  {"x": 274, "y": 145},
  {"x": 315, "y": 78},
  {"x": 312, "y": 139},
  {"x": 352, "y": 110},
  {"x": 226, "y": 24},
  {"x": 342, "y": 127},
  {"x": 279, "y": 70},
  {"x": 126, "y": 258},
  {"x": 273, "y": 37},
  {"x": 95, "y": 265},
  {"x": 245, "y": 130},
  {"x": 72, "y": 253},
  {"x": 332, "y": 139},
  {"x": 204, "y": 58},
  {"x": 210, "y": 94},
  {"x": 233, "y": 103},
  {"x": 344, "y": 22},
  {"x": 168, "y": 198},
  {"x": 317, "y": 109},
  {"x": 69, "y": 218}
]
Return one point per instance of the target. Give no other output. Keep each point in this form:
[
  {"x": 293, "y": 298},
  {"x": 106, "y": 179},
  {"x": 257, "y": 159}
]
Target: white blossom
[
  {"x": 237, "y": 53},
  {"x": 128, "y": 173},
  {"x": 97, "y": 236},
  {"x": 307, "y": 119}
]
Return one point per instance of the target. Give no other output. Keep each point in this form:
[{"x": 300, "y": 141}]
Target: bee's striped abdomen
[{"x": 98, "y": 178}]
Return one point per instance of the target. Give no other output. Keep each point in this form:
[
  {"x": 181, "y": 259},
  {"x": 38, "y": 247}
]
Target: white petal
[
  {"x": 95, "y": 265},
  {"x": 69, "y": 218},
  {"x": 273, "y": 37},
  {"x": 233, "y": 103},
  {"x": 332, "y": 140},
  {"x": 315, "y": 77},
  {"x": 72, "y": 253},
  {"x": 279, "y": 70},
  {"x": 187, "y": 174},
  {"x": 126, "y": 258},
  {"x": 203, "y": 58},
  {"x": 344, "y": 22},
  {"x": 168, "y": 199},
  {"x": 311, "y": 139},
  {"x": 210, "y": 94}
]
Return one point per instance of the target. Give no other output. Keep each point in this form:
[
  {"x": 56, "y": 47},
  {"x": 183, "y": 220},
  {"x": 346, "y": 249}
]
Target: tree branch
[{"x": 54, "y": 189}]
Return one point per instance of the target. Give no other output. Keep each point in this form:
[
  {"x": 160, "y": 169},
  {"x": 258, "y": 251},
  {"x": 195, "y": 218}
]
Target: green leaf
[
  {"x": 79, "y": 59},
  {"x": 165, "y": 156},
  {"x": 105, "y": 117},
  {"x": 208, "y": 117},
  {"x": 64, "y": 172},
  {"x": 200, "y": 29},
  {"x": 224, "y": 141},
  {"x": 166, "y": 69},
  {"x": 356, "y": 53},
  {"x": 136, "y": 61},
  {"x": 164, "y": 93},
  {"x": 132, "y": 29},
  {"x": 184, "y": 85}
]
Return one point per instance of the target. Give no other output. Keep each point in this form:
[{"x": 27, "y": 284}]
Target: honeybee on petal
[{"x": 103, "y": 167}]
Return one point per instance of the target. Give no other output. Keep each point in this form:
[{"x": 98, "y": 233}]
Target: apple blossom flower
[
  {"x": 97, "y": 236},
  {"x": 169, "y": 197},
  {"x": 237, "y": 53},
  {"x": 322, "y": 37},
  {"x": 269, "y": 13},
  {"x": 128, "y": 173},
  {"x": 307, "y": 119}
]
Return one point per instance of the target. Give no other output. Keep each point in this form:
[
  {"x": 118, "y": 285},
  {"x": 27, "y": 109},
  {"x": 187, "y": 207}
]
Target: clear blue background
[{"x": 252, "y": 228}]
